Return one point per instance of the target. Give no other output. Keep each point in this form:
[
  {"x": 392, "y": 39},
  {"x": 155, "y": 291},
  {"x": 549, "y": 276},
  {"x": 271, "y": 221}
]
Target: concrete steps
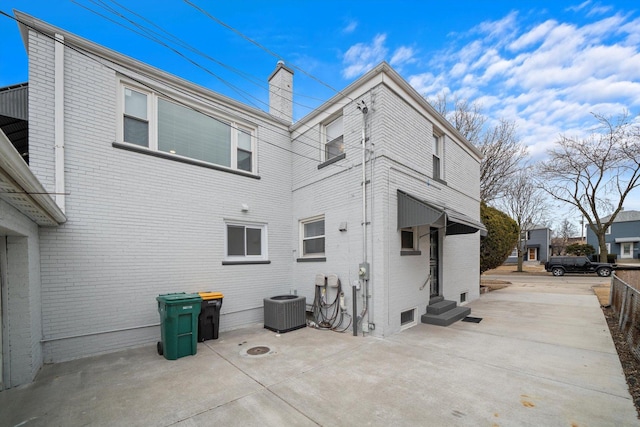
[{"x": 442, "y": 312}]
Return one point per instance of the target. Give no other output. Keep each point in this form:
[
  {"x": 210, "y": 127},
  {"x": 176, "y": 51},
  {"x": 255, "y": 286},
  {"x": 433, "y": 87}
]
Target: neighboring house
[
  {"x": 142, "y": 205},
  {"x": 559, "y": 245},
  {"x": 537, "y": 246},
  {"x": 622, "y": 238}
]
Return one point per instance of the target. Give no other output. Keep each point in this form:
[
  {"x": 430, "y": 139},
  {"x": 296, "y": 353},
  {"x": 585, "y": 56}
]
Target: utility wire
[
  {"x": 249, "y": 39},
  {"x": 93, "y": 58},
  {"x": 180, "y": 42}
]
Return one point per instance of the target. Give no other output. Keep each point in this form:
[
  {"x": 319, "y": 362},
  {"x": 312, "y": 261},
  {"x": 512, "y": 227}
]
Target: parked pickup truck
[{"x": 559, "y": 265}]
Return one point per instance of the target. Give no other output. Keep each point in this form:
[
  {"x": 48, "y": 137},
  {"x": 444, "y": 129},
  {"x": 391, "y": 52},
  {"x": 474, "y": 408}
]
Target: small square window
[
  {"x": 408, "y": 318},
  {"x": 408, "y": 239}
]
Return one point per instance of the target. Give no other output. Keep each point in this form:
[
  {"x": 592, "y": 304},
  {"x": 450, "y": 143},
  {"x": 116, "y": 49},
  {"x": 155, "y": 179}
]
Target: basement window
[
  {"x": 463, "y": 297},
  {"x": 408, "y": 318}
]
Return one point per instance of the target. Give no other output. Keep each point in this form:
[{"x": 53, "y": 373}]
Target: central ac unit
[{"x": 284, "y": 313}]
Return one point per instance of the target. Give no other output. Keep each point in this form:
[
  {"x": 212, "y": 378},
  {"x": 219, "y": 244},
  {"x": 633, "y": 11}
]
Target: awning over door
[
  {"x": 458, "y": 223},
  {"x": 627, "y": 239},
  {"x": 413, "y": 212}
]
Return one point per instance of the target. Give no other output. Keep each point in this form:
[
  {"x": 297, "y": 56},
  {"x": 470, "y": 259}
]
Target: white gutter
[
  {"x": 59, "y": 121},
  {"x": 40, "y": 207}
]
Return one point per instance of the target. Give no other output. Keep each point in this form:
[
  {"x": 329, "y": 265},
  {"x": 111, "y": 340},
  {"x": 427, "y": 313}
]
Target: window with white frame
[
  {"x": 437, "y": 156},
  {"x": 160, "y": 124},
  {"x": 333, "y": 139},
  {"x": 608, "y": 230},
  {"x": 246, "y": 242},
  {"x": 135, "y": 120},
  {"x": 312, "y": 237}
]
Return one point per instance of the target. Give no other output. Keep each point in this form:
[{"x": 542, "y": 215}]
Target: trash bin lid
[
  {"x": 211, "y": 295},
  {"x": 177, "y": 298}
]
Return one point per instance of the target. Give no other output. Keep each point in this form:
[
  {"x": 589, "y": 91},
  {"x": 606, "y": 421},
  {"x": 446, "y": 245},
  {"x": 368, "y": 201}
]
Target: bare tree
[
  {"x": 526, "y": 204},
  {"x": 499, "y": 144},
  {"x": 565, "y": 231},
  {"x": 595, "y": 174}
]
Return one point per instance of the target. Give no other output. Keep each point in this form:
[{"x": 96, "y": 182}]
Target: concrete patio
[{"x": 542, "y": 355}]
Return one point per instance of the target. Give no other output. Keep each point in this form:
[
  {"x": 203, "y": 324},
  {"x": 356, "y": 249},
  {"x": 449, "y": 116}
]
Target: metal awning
[
  {"x": 413, "y": 212},
  {"x": 627, "y": 239},
  {"x": 458, "y": 223}
]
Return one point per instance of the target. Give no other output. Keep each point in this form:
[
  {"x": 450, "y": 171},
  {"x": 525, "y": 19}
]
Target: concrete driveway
[{"x": 541, "y": 356}]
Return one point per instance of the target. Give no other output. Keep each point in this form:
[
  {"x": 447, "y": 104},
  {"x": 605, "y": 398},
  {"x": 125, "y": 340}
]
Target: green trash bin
[{"x": 179, "y": 324}]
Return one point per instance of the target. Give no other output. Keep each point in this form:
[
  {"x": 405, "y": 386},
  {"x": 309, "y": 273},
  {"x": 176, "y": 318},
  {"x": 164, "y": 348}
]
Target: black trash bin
[{"x": 209, "y": 319}]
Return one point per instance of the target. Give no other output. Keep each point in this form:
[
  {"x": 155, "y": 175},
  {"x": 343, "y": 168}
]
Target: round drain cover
[{"x": 257, "y": 351}]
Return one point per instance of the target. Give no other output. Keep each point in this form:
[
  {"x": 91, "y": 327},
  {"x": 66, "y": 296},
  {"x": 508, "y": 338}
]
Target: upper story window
[
  {"x": 159, "y": 124},
  {"x": 334, "y": 141},
  {"x": 312, "y": 237},
  {"x": 437, "y": 156},
  {"x": 608, "y": 230},
  {"x": 135, "y": 119}
]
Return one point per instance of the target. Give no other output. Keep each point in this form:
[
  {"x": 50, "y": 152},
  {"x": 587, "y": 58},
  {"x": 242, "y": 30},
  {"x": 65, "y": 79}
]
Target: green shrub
[
  {"x": 580, "y": 249},
  {"x": 502, "y": 237}
]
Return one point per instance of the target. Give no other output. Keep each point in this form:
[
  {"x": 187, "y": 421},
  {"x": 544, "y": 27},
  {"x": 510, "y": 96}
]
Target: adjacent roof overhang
[
  {"x": 458, "y": 223},
  {"x": 627, "y": 239},
  {"x": 413, "y": 212},
  {"x": 21, "y": 189}
]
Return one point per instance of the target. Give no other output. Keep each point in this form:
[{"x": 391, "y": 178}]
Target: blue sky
[{"x": 546, "y": 65}]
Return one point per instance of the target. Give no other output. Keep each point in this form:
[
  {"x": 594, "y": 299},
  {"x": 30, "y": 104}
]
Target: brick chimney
[{"x": 281, "y": 92}]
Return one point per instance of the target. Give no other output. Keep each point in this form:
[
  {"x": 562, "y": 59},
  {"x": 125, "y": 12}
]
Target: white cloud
[
  {"x": 350, "y": 27},
  {"x": 402, "y": 55},
  {"x": 547, "y": 77},
  {"x": 534, "y": 36},
  {"x": 428, "y": 84},
  {"x": 579, "y": 7},
  {"x": 361, "y": 57}
]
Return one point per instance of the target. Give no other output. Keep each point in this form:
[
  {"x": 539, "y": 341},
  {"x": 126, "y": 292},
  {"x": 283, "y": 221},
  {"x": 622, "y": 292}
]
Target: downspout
[
  {"x": 364, "y": 267},
  {"x": 59, "y": 122}
]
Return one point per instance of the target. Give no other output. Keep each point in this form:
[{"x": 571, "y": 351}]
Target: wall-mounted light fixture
[{"x": 343, "y": 226}]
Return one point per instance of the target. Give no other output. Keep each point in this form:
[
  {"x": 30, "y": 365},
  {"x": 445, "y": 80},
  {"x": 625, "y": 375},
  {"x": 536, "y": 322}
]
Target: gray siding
[{"x": 618, "y": 230}]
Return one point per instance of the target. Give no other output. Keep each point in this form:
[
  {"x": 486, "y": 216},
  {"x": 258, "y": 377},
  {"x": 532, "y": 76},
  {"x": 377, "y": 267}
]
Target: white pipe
[
  {"x": 59, "y": 121},
  {"x": 365, "y": 282}
]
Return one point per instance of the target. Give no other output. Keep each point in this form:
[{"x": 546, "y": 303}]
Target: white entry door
[{"x": 626, "y": 250}]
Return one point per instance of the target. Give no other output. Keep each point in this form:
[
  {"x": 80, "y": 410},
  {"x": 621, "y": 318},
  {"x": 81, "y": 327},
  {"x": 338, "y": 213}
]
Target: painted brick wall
[
  {"x": 41, "y": 108},
  {"x": 21, "y": 287},
  {"x": 139, "y": 226},
  {"x": 400, "y": 140}
]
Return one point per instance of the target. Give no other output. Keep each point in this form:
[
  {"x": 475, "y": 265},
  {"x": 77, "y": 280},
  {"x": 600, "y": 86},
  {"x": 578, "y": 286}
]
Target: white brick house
[{"x": 140, "y": 212}]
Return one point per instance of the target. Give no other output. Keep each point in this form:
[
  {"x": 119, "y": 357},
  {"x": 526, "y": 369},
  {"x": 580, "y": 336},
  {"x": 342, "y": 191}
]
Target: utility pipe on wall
[
  {"x": 364, "y": 277},
  {"x": 59, "y": 121}
]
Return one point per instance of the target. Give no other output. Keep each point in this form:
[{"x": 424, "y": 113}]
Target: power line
[
  {"x": 185, "y": 45},
  {"x": 249, "y": 39},
  {"x": 155, "y": 89}
]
